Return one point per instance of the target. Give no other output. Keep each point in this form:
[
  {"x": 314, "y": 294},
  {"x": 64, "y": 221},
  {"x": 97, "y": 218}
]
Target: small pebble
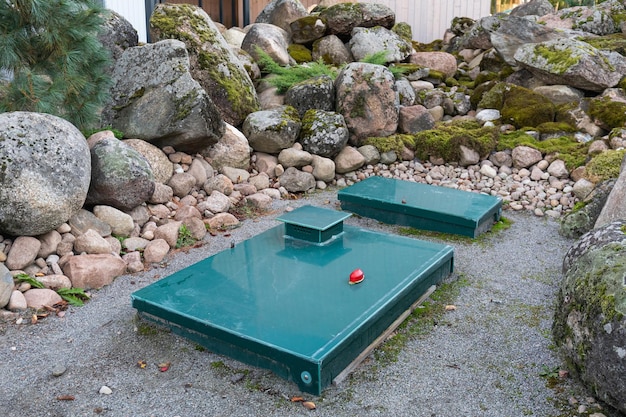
[
  {"x": 105, "y": 390},
  {"x": 58, "y": 369}
]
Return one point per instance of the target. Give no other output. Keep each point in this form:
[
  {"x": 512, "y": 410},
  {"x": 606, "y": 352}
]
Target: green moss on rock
[
  {"x": 609, "y": 113},
  {"x": 394, "y": 143},
  {"x": 518, "y": 105},
  {"x": 445, "y": 140},
  {"x": 604, "y": 166},
  {"x": 300, "y": 53},
  {"x": 568, "y": 149}
]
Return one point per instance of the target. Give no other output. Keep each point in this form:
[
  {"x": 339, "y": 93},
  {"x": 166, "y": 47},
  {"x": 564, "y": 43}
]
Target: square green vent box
[
  {"x": 283, "y": 301},
  {"x": 422, "y": 206}
]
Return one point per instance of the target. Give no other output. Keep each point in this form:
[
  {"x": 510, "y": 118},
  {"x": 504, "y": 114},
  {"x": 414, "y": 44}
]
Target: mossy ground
[
  {"x": 568, "y": 149},
  {"x": 445, "y": 140}
]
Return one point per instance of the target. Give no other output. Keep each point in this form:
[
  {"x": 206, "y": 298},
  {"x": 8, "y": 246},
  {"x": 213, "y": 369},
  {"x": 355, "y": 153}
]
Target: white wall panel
[
  {"x": 134, "y": 11},
  {"x": 429, "y": 19}
]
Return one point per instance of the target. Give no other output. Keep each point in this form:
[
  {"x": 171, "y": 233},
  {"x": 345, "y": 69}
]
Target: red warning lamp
[{"x": 356, "y": 276}]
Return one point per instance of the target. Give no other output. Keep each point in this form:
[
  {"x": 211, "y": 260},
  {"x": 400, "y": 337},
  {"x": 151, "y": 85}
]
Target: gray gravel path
[{"x": 482, "y": 359}]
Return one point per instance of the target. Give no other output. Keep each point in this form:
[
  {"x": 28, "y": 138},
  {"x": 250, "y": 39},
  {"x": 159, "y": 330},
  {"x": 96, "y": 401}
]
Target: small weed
[
  {"x": 74, "y": 296},
  {"x": 147, "y": 330},
  {"x": 548, "y": 372},
  {"x": 245, "y": 210},
  {"x": 184, "y": 237},
  {"x": 28, "y": 280},
  {"x": 199, "y": 348}
]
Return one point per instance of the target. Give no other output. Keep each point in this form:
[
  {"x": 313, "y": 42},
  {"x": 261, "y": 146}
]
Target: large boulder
[
  {"x": 509, "y": 33},
  {"x": 271, "y": 39},
  {"x": 213, "y": 63},
  {"x": 578, "y": 222},
  {"x": 590, "y": 320},
  {"x": 312, "y": 93},
  {"x": 533, "y": 8},
  {"x": 614, "y": 208},
  {"x": 518, "y": 105},
  {"x": 323, "y": 133},
  {"x": 286, "y": 11},
  {"x": 367, "y": 99},
  {"x": 271, "y": 131},
  {"x": 369, "y": 41},
  {"x": 120, "y": 176},
  {"x": 597, "y": 20},
  {"x": 117, "y": 34},
  {"x": 155, "y": 98},
  {"x": 45, "y": 169},
  {"x": 572, "y": 62},
  {"x": 331, "y": 50},
  {"x": 161, "y": 167},
  {"x": 342, "y": 18},
  {"x": 231, "y": 150}
]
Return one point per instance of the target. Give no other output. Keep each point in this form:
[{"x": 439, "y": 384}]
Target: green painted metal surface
[
  {"x": 313, "y": 224},
  {"x": 422, "y": 206},
  {"x": 286, "y": 305}
]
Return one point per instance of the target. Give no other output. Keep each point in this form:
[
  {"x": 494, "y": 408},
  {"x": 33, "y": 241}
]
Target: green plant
[
  {"x": 547, "y": 372},
  {"x": 185, "y": 237},
  {"x": 74, "y": 296},
  {"x": 51, "y": 59},
  {"x": 285, "y": 77},
  {"x": 28, "y": 279},
  {"x": 88, "y": 132}
]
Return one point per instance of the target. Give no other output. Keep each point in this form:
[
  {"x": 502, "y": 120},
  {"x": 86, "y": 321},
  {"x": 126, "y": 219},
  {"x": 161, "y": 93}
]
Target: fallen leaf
[
  {"x": 297, "y": 399},
  {"x": 309, "y": 405},
  {"x": 40, "y": 274},
  {"x": 66, "y": 398},
  {"x": 33, "y": 319},
  {"x": 164, "y": 366},
  {"x": 142, "y": 364},
  {"x": 450, "y": 307}
]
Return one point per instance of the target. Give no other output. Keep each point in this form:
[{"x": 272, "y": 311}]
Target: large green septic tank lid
[
  {"x": 286, "y": 304},
  {"x": 422, "y": 206}
]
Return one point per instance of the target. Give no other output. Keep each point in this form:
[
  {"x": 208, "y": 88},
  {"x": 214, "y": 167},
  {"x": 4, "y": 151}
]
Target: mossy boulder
[
  {"x": 589, "y": 326},
  {"x": 605, "y": 165},
  {"x": 518, "y": 105},
  {"x": 446, "y": 139},
  {"x": 572, "y": 62},
  {"x": 607, "y": 113},
  {"x": 300, "y": 53},
  {"x": 213, "y": 64},
  {"x": 323, "y": 133},
  {"x": 583, "y": 218},
  {"x": 343, "y": 17},
  {"x": 271, "y": 131}
]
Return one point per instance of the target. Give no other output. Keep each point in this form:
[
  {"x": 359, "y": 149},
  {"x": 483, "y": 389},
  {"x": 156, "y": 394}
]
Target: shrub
[{"x": 51, "y": 60}]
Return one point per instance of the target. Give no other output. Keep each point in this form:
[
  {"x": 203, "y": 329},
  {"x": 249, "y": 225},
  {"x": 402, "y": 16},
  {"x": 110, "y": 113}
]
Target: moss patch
[
  {"x": 615, "y": 42},
  {"x": 568, "y": 149},
  {"x": 445, "y": 140},
  {"x": 300, "y": 53},
  {"x": 559, "y": 60},
  {"x": 394, "y": 143},
  {"x": 604, "y": 166},
  {"x": 610, "y": 113},
  {"x": 518, "y": 105}
]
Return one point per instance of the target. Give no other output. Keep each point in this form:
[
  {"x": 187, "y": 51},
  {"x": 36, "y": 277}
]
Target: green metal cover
[
  {"x": 286, "y": 304},
  {"x": 313, "y": 224},
  {"x": 422, "y": 206}
]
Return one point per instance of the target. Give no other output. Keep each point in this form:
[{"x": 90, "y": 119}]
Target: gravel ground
[{"x": 483, "y": 359}]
